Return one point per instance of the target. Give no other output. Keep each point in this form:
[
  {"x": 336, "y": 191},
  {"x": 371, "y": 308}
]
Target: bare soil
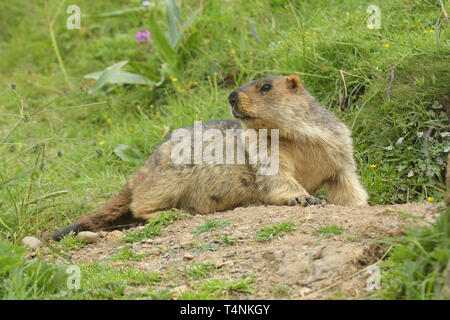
[{"x": 308, "y": 265}]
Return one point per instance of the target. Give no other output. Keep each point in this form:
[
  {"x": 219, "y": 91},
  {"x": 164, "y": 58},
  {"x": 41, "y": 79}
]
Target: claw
[{"x": 306, "y": 201}]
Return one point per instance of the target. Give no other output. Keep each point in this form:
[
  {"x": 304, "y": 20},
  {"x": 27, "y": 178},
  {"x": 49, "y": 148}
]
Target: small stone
[
  {"x": 31, "y": 242},
  {"x": 188, "y": 256},
  {"x": 102, "y": 234},
  {"x": 114, "y": 235},
  {"x": 304, "y": 290},
  {"x": 154, "y": 251},
  {"x": 88, "y": 236}
]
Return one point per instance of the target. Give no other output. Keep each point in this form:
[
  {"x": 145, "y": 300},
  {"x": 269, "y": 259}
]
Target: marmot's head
[{"x": 271, "y": 102}]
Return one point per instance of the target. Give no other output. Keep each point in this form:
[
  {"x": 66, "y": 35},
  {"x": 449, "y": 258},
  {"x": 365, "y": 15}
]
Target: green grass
[
  {"x": 70, "y": 242},
  {"x": 276, "y": 230},
  {"x": 21, "y": 279},
  {"x": 206, "y": 245},
  {"x": 153, "y": 227},
  {"x": 417, "y": 268},
  {"x": 215, "y": 288},
  {"x": 281, "y": 291},
  {"x": 57, "y": 142},
  {"x": 330, "y": 230},
  {"x": 200, "y": 270},
  {"x": 101, "y": 281},
  {"x": 210, "y": 224},
  {"x": 126, "y": 254}
]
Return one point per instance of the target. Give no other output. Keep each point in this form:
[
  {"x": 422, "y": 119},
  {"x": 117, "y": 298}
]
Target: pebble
[
  {"x": 114, "y": 235},
  {"x": 88, "y": 236},
  {"x": 188, "y": 256},
  {"x": 32, "y": 242},
  {"x": 154, "y": 251},
  {"x": 102, "y": 234}
]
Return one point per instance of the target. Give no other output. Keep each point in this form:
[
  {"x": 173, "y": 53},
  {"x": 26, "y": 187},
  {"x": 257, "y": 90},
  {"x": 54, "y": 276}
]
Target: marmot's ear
[{"x": 294, "y": 82}]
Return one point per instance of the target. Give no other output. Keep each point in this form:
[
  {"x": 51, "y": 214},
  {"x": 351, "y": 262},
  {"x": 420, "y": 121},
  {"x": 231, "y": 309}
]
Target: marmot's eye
[{"x": 266, "y": 87}]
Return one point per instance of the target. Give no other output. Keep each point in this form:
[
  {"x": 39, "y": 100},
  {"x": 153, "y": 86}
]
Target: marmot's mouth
[{"x": 239, "y": 115}]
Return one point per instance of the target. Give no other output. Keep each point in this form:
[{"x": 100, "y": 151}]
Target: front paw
[{"x": 305, "y": 200}]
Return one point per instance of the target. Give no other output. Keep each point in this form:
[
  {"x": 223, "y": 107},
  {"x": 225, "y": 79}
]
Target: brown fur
[{"x": 315, "y": 149}]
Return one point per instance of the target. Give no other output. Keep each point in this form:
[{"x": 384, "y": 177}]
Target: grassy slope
[{"x": 318, "y": 39}]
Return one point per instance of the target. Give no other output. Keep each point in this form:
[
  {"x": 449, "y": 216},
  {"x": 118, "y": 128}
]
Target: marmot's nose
[{"x": 233, "y": 98}]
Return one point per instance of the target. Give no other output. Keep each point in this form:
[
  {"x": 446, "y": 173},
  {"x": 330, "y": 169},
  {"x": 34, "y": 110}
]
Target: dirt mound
[{"x": 325, "y": 255}]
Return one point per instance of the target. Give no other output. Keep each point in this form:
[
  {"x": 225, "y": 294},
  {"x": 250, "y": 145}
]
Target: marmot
[{"x": 314, "y": 149}]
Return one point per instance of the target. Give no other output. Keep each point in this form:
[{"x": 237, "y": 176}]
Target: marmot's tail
[{"x": 113, "y": 215}]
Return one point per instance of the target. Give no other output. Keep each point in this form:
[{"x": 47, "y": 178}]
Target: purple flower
[
  {"x": 146, "y": 3},
  {"x": 143, "y": 36}
]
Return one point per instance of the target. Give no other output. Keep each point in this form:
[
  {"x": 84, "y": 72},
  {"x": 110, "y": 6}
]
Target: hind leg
[
  {"x": 345, "y": 189},
  {"x": 155, "y": 193}
]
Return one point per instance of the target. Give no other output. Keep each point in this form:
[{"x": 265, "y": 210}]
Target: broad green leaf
[
  {"x": 107, "y": 75},
  {"x": 128, "y": 154},
  {"x": 122, "y": 77},
  {"x": 175, "y": 22},
  {"x": 169, "y": 54}
]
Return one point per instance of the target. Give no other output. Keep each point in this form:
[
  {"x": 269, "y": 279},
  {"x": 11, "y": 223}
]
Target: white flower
[
  {"x": 445, "y": 134},
  {"x": 146, "y": 3},
  {"x": 410, "y": 173},
  {"x": 400, "y": 140},
  {"x": 389, "y": 148},
  {"x": 420, "y": 134}
]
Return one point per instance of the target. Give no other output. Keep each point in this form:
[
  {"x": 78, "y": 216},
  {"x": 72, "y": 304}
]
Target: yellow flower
[
  {"x": 431, "y": 30},
  {"x": 314, "y": 33},
  {"x": 301, "y": 42},
  {"x": 386, "y": 46},
  {"x": 233, "y": 51},
  {"x": 174, "y": 79},
  {"x": 138, "y": 107},
  {"x": 425, "y": 32},
  {"x": 373, "y": 165},
  {"x": 430, "y": 199},
  {"x": 101, "y": 143},
  {"x": 151, "y": 107}
]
